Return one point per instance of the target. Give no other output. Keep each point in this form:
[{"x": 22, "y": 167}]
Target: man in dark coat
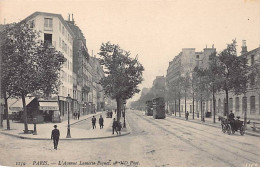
[
  {"x": 78, "y": 115},
  {"x": 187, "y": 115},
  {"x": 114, "y": 126},
  {"x": 55, "y": 135},
  {"x": 101, "y": 122},
  {"x": 93, "y": 122},
  {"x": 119, "y": 127}
]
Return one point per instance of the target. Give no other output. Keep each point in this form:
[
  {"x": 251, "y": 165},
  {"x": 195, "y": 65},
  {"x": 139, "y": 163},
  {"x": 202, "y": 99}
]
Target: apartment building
[{"x": 56, "y": 32}]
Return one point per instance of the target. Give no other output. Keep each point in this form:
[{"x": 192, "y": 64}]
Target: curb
[
  {"x": 85, "y": 119},
  {"x": 216, "y": 126},
  {"x": 103, "y": 137}
]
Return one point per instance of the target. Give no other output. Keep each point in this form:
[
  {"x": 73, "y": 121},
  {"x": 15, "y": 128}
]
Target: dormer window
[{"x": 48, "y": 23}]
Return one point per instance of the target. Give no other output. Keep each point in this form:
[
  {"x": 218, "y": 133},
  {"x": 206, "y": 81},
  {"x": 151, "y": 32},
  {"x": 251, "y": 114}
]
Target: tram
[
  {"x": 149, "y": 108},
  {"x": 159, "y": 108}
]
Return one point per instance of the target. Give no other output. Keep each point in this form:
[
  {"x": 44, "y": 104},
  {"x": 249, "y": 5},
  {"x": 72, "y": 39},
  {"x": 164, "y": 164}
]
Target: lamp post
[
  {"x": 68, "y": 98},
  {"x": 124, "y": 126}
]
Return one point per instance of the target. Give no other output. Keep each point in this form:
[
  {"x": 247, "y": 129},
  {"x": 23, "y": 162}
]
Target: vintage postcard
[{"x": 130, "y": 83}]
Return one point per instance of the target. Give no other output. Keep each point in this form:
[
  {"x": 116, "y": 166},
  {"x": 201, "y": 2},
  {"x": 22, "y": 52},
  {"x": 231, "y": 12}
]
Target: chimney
[
  {"x": 69, "y": 17},
  {"x": 212, "y": 45},
  {"x": 244, "y": 47}
]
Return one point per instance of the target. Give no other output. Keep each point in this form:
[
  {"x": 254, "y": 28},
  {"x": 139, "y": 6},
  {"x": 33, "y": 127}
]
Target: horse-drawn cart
[{"x": 231, "y": 126}]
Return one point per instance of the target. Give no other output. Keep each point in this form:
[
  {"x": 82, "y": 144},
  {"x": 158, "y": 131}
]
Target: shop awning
[
  {"x": 18, "y": 104},
  {"x": 50, "y": 105}
]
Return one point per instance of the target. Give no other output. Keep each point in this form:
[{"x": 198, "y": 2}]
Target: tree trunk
[
  {"x": 185, "y": 103},
  {"x": 201, "y": 109},
  {"x": 6, "y": 112},
  {"x": 24, "y": 114},
  {"x": 175, "y": 108},
  {"x": 214, "y": 105},
  {"x": 192, "y": 105},
  {"x": 227, "y": 107},
  {"x": 179, "y": 107},
  {"x": 119, "y": 102}
]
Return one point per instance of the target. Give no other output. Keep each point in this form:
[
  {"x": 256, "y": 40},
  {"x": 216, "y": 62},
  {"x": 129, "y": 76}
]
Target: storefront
[{"x": 50, "y": 111}]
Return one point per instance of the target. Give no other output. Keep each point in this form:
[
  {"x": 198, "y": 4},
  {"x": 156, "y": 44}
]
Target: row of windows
[
  {"x": 68, "y": 65},
  {"x": 65, "y": 47},
  {"x": 65, "y": 33},
  {"x": 66, "y": 77},
  {"x": 238, "y": 107}
]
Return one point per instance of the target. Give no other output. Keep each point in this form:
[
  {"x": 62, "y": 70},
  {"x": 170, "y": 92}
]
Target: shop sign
[{"x": 48, "y": 108}]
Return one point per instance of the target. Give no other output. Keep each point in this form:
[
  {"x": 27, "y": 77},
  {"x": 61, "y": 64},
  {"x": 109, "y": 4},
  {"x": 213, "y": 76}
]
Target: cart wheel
[
  {"x": 242, "y": 130},
  {"x": 228, "y": 130},
  {"x": 224, "y": 128}
]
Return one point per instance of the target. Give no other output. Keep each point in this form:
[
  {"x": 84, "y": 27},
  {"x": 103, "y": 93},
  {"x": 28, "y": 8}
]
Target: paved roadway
[{"x": 162, "y": 142}]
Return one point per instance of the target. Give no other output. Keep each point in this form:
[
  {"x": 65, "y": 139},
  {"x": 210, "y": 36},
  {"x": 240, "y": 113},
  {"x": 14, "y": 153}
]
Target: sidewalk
[
  {"x": 44, "y": 130},
  {"x": 209, "y": 122}
]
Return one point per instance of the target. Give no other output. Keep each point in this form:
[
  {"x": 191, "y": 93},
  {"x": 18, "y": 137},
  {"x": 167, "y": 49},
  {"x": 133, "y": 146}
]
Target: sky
[{"x": 155, "y": 30}]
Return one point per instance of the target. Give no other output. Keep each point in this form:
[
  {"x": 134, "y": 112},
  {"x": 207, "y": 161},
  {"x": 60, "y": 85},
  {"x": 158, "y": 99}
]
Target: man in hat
[
  {"x": 93, "y": 122},
  {"x": 55, "y": 135}
]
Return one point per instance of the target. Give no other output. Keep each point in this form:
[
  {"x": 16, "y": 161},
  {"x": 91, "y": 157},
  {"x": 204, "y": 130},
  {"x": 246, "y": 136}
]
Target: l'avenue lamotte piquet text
[{"x": 80, "y": 163}]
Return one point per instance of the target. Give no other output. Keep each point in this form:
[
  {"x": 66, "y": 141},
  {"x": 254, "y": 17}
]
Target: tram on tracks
[
  {"x": 158, "y": 108},
  {"x": 149, "y": 108}
]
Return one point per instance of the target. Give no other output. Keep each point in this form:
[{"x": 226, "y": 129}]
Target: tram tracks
[
  {"x": 198, "y": 147},
  {"x": 196, "y": 130}
]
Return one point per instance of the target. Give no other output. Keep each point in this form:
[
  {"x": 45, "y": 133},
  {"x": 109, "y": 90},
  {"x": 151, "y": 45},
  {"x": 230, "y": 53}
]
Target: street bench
[{"x": 255, "y": 126}]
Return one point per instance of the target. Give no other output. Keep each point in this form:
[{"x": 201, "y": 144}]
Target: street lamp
[
  {"x": 124, "y": 126},
  {"x": 68, "y": 98}
]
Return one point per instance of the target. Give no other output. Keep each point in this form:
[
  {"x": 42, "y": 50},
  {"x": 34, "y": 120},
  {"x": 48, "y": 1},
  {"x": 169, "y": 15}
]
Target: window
[
  {"x": 48, "y": 39},
  {"x": 197, "y": 56},
  {"x": 252, "y": 104},
  {"x": 230, "y": 104},
  {"x": 59, "y": 26},
  {"x": 59, "y": 42},
  {"x": 31, "y": 24},
  {"x": 62, "y": 30},
  {"x": 244, "y": 104},
  {"x": 63, "y": 45},
  {"x": 48, "y": 23},
  {"x": 252, "y": 60},
  {"x": 237, "y": 104}
]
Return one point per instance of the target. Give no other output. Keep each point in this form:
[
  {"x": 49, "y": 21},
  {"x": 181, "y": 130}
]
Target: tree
[
  {"x": 123, "y": 74},
  {"x": 185, "y": 83},
  {"x": 26, "y": 64},
  {"x": 214, "y": 78},
  {"x": 201, "y": 88},
  {"x": 233, "y": 72},
  {"x": 49, "y": 65}
]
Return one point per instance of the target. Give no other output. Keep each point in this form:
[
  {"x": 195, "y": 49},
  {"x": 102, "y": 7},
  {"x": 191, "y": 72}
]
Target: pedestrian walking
[
  {"x": 55, "y": 136},
  {"x": 78, "y": 115},
  {"x": 187, "y": 115},
  {"x": 93, "y": 122},
  {"x": 114, "y": 126},
  {"x": 101, "y": 122},
  {"x": 119, "y": 127}
]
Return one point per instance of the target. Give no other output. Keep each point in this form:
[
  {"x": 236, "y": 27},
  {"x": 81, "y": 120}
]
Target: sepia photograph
[{"x": 130, "y": 83}]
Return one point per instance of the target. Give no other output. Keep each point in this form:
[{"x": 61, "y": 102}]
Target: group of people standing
[
  {"x": 76, "y": 115},
  {"x": 101, "y": 122}
]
